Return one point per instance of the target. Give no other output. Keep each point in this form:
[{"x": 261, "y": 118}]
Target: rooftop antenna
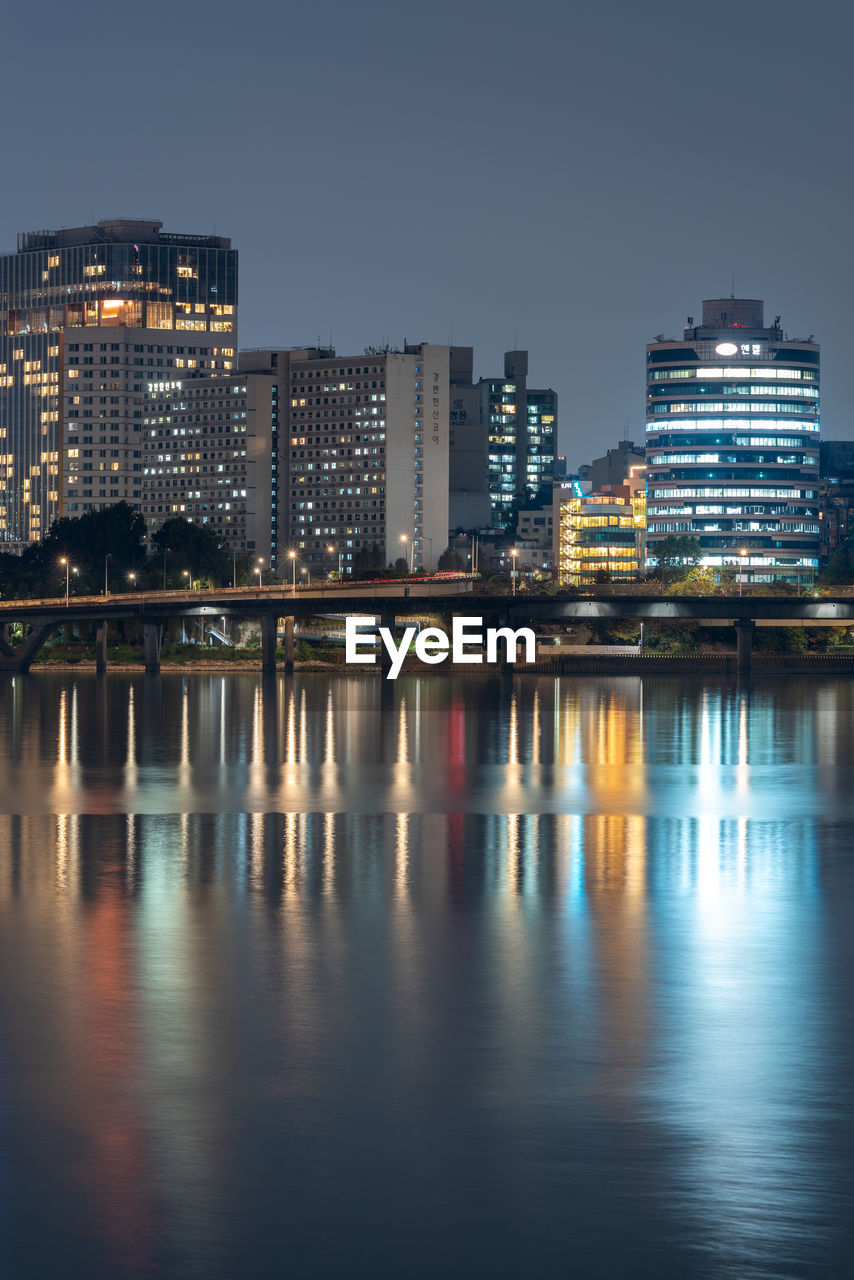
[{"x": 732, "y": 295}]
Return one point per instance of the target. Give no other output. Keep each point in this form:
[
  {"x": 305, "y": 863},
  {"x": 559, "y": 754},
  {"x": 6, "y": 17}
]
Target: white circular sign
[{"x": 726, "y": 349}]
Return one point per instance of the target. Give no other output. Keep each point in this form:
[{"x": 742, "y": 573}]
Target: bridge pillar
[
  {"x": 744, "y": 644},
  {"x": 289, "y": 645},
  {"x": 151, "y": 633},
  {"x": 268, "y": 642},
  {"x": 387, "y": 619},
  {"x": 101, "y": 648}
]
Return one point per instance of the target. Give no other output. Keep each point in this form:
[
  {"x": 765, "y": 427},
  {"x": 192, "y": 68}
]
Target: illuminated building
[
  {"x": 733, "y": 443},
  {"x": 503, "y": 438},
  {"x": 209, "y": 449},
  {"x": 599, "y": 536},
  {"x": 362, "y": 454},
  {"x": 88, "y": 316}
]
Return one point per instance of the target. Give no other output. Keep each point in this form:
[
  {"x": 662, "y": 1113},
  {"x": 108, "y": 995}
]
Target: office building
[
  {"x": 836, "y": 495},
  {"x": 732, "y": 443},
  {"x": 599, "y": 536},
  {"x": 88, "y": 316},
  {"x": 504, "y": 436},
  {"x": 209, "y": 455},
  {"x": 616, "y": 464},
  {"x": 362, "y": 456}
]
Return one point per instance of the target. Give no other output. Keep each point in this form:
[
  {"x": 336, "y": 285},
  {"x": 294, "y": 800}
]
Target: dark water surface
[{"x": 339, "y": 977}]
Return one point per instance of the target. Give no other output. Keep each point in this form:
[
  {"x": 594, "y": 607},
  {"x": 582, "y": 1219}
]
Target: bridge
[{"x": 392, "y": 600}]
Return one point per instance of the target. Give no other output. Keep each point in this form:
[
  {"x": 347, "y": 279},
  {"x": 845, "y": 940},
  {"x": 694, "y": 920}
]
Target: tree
[
  {"x": 367, "y": 561},
  {"x": 195, "y": 548},
  {"x": 116, "y": 532},
  {"x": 676, "y": 557},
  {"x": 450, "y": 562},
  {"x": 840, "y": 565}
]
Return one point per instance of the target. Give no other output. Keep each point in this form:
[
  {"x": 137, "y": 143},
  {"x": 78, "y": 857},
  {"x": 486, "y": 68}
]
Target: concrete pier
[
  {"x": 289, "y": 645},
  {"x": 268, "y": 642},
  {"x": 152, "y": 633},
  {"x": 744, "y": 644},
  {"x": 101, "y": 648}
]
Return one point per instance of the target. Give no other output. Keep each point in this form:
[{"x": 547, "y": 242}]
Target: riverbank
[{"x": 623, "y": 664}]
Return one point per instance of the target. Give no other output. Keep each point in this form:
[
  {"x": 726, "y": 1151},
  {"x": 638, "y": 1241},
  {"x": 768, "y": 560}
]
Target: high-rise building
[
  {"x": 522, "y": 436},
  {"x": 362, "y": 463},
  {"x": 732, "y": 443},
  {"x": 501, "y": 430},
  {"x": 88, "y": 316},
  {"x": 209, "y": 455}
]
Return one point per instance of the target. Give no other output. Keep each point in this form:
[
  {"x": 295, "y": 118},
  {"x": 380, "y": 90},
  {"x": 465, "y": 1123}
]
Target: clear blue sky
[{"x": 568, "y": 178}]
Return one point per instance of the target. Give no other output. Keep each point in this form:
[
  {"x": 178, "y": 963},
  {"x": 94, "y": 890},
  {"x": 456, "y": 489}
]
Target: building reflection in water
[{"x": 575, "y": 924}]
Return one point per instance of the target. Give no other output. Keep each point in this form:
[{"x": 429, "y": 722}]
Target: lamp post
[
  {"x": 742, "y": 553},
  {"x": 259, "y": 569},
  {"x": 411, "y": 548},
  {"x": 186, "y": 573},
  {"x": 107, "y": 559},
  {"x": 234, "y": 566},
  {"x": 425, "y": 538},
  {"x": 292, "y": 556},
  {"x": 331, "y": 551},
  {"x": 132, "y": 577},
  {"x": 64, "y": 560},
  {"x": 514, "y": 553},
  {"x": 307, "y": 573},
  {"x": 165, "y": 549}
]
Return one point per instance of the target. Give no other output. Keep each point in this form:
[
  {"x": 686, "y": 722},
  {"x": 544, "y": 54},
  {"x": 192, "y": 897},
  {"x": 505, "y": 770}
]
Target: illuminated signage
[{"x": 742, "y": 349}]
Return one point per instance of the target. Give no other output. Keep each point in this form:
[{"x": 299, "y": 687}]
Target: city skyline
[{"x": 411, "y": 186}]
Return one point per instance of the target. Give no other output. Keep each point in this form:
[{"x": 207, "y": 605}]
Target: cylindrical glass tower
[{"x": 732, "y": 443}]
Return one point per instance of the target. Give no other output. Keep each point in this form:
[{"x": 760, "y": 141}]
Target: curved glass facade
[{"x": 732, "y": 441}]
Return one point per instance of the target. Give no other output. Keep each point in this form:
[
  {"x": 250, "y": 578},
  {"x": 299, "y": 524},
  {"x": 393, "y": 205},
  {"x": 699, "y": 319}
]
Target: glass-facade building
[
  {"x": 69, "y": 377},
  {"x": 599, "y": 536},
  {"x": 732, "y": 443},
  {"x": 521, "y": 435}
]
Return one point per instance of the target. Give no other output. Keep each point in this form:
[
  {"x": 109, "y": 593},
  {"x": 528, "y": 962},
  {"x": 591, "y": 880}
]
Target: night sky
[{"x": 573, "y": 179}]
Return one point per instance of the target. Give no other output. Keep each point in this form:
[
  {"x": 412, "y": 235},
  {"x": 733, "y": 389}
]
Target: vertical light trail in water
[{"x": 131, "y": 775}]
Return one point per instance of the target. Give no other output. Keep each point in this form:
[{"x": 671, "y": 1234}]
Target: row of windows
[
  {"x": 723, "y": 406},
  {"x": 330, "y": 373},
  {"x": 662, "y": 375},
  {"x": 699, "y": 459},
  {"x": 740, "y": 389},
  {"x": 729, "y": 424},
  {"x": 732, "y": 492},
  {"x": 682, "y": 441}
]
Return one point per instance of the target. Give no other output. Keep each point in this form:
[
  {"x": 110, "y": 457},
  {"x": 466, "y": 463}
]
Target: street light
[
  {"x": 514, "y": 553},
  {"x": 132, "y": 577},
  {"x": 331, "y": 551},
  {"x": 259, "y": 569},
  {"x": 405, "y": 539},
  {"x": 742, "y": 552},
  {"x": 307, "y": 572},
  {"x": 424, "y": 538},
  {"x": 292, "y": 556},
  {"x": 186, "y": 573},
  {"x": 107, "y": 559},
  {"x": 64, "y": 560}
]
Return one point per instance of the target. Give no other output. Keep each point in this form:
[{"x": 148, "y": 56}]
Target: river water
[{"x": 322, "y": 977}]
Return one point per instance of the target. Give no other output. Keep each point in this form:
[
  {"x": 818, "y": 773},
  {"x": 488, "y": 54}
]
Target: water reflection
[{"x": 556, "y": 966}]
